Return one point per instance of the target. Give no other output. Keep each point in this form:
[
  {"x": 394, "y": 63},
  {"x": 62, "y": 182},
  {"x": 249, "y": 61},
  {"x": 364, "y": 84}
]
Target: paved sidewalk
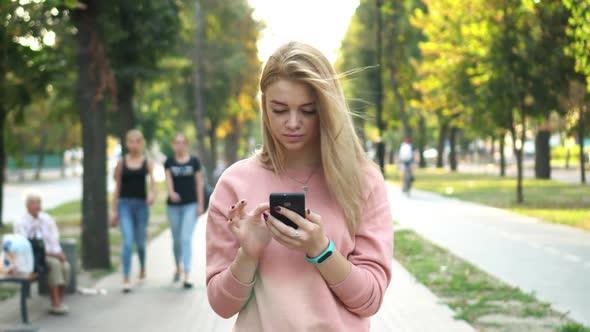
[
  {"x": 551, "y": 260},
  {"x": 159, "y": 305}
]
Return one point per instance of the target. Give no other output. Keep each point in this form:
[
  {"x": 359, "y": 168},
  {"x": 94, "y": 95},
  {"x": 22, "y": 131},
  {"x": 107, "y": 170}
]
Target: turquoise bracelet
[{"x": 319, "y": 259}]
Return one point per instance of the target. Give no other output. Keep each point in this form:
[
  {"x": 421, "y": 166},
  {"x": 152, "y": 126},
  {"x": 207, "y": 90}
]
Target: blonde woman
[
  {"x": 331, "y": 273},
  {"x": 131, "y": 200}
]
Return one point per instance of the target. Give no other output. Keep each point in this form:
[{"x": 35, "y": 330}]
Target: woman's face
[
  {"x": 293, "y": 116},
  {"x": 180, "y": 145},
  {"x": 134, "y": 144}
]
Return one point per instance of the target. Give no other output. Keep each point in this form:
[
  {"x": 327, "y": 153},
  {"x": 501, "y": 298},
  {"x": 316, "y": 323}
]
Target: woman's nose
[{"x": 293, "y": 121}]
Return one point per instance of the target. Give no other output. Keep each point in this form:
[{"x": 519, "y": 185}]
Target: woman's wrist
[
  {"x": 243, "y": 256},
  {"x": 318, "y": 248},
  {"x": 244, "y": 267}
]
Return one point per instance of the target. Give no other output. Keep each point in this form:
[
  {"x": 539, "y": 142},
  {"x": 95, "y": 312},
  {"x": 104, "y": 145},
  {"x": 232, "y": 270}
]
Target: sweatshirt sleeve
[
  {"x": 226, "y": 294},
  {"x": 363, "y": 289}
]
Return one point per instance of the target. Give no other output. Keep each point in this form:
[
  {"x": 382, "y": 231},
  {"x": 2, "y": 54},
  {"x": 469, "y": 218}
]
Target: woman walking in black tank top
[{"x": 131, "y": 201}]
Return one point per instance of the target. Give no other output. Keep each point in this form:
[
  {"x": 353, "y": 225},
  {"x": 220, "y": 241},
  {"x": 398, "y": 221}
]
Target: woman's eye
[
  {"x": 279, "y": 111},
  {"x": 310, "y": 112}
]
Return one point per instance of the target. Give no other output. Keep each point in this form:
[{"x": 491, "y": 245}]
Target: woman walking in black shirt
[{"x": 185, "y": 203}]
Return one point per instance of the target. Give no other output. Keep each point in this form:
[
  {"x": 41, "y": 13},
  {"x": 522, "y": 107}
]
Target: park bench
[{"x": 25, "y": 282}]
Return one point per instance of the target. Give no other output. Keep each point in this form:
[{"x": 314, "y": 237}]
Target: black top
[
  {"x": 183, "y": 178},
  {"x": 133, "y": 181}
]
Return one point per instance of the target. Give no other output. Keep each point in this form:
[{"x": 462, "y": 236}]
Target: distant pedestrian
[
  {"x": 37, "y": 225},
  {"x": 331, "y": 273},
  {"x": 131, "y": 200},
  {"x": 184, "y": 182},
  {"x": 406, "y": 159}
]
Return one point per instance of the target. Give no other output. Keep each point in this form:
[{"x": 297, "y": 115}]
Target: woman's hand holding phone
[
  {"x": 249, "y": 228},
  {"x": 309, "y": 238}
]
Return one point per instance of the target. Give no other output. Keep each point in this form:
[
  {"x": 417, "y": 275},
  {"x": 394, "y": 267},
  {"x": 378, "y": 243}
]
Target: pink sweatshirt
[{"x": 288, "y": 293}]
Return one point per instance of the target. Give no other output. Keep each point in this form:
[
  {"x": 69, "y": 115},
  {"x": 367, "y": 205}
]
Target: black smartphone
[{"x": 292, "y": 201}]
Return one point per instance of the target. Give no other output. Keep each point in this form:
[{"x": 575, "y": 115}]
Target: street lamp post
[{"x": 379, "y": 101}]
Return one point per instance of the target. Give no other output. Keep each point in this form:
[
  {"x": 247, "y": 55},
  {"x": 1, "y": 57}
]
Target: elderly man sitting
[{"x": 36, "y": 224}]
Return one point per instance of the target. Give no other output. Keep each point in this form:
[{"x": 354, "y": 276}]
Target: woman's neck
[
  {"x": 134, "y": 154},
  {"x": 302, "y": 159},
  {"x": 180, "y": 155}
]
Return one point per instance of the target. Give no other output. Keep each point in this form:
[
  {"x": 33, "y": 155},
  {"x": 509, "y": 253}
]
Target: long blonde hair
[{"x": 343, "y": 158}]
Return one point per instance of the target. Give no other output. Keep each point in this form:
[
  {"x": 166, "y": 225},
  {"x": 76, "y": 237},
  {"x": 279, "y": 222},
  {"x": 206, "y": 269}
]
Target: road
[
  {"x": 53, "y": 192},
  {"x": 551, "y": 260}
]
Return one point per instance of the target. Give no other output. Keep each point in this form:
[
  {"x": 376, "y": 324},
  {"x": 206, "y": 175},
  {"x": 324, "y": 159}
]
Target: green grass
[
  {"x": 476, "y": 297},
  {"x": 572, "y": 327},
  {"x": 66, "y": 209},
  {"x": 551, "y": 201},
  {"x": 7, "y": 291}
]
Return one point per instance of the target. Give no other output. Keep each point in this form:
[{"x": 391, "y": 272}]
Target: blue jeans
[
  {"x": 183, "y": 219},
  {"x": 133, "y": 219}
]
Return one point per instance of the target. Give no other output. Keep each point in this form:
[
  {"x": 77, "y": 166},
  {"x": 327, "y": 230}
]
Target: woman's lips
[{"x": 294, "y": 138}]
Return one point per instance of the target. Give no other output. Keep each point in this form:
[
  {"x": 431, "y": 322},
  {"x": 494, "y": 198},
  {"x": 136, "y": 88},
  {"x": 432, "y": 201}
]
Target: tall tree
[
  {"x": 357, "y": 60},
  {"x": 94, "y": 77},
  {"x": 27, "y": 62},
  {"x": 579, "y": 49},
  {"x": 225, "y": 70},
  {"x": 137, "y": 33},
  {"x": 402, "y": 52}
]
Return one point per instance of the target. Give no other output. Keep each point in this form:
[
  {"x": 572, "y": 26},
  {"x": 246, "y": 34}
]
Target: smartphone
[{"x": 292, "y": 201}]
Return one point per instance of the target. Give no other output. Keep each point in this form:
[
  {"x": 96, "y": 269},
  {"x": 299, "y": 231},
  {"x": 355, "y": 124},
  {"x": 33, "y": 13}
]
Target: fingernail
[
  {"x": 308, "y": 212},
  {"x": 277, "y": 208},
  {"x": 265, "y": 215}
]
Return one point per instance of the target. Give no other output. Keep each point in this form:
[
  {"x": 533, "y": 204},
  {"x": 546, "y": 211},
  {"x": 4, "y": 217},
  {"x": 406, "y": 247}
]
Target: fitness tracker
[{"x": 319, "y": 259}]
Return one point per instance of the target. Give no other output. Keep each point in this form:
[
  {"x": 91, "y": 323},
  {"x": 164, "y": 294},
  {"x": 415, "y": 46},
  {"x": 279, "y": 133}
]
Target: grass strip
[
  {"x": 550, "y": 201},
  {"x": 476, "y": 297}
]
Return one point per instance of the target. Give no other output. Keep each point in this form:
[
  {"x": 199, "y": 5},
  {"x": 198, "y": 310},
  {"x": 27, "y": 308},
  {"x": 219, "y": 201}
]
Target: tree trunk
[
  {"x": 442, "y": 136},
  {"x": 422, "y": 141},
  {"x": 492, "y": 150},
  {"x": 199, "y": 87},
  {"x": 453, "y": 152},
  {"x": 232, "y": 142},
  {"x": 393, "y": 79},
  {"x": 401, "y": 104},
  {"x": 519, "y": 156},
  {"x": 2, "y": 152},
  {"x": 581, "y": 132},
  {"x": 91, "y": 71},
  {"x": 213, "y": 144},
  {"x": 3, "y": 113},
  {"x": 126, "y": 89},
  {"x": 391, "y": 159},
  {"x": 22, "y": 161},
  {"x": 62, "y": 168},
  {"x": 502, "y": 140},
  {"x": 41, "y": 158},
  {"x": 543, "y": 153}
]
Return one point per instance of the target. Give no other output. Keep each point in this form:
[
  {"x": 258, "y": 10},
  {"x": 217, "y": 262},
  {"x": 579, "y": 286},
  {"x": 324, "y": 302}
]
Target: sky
[{"x": 320, "y": 23}]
